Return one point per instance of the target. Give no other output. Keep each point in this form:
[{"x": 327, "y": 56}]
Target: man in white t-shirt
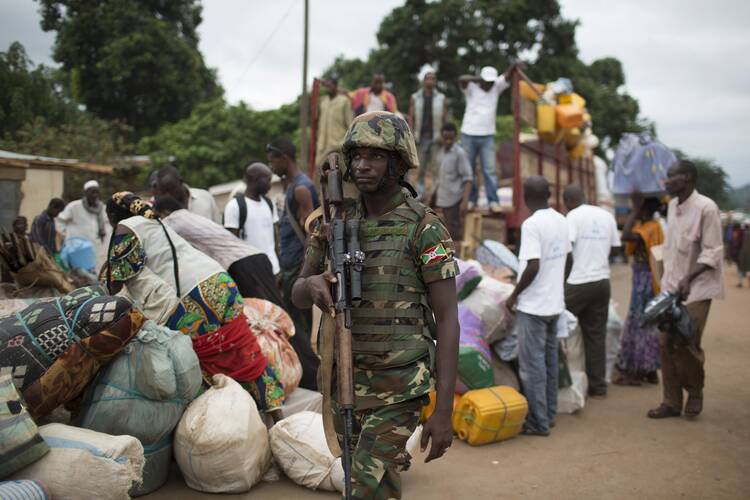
[
  {"x": 593, "y": 234},
  {"x": 252, "y": 217},
  {"x": 478, "y": 126},
  {"x": 539, "y": 297}
]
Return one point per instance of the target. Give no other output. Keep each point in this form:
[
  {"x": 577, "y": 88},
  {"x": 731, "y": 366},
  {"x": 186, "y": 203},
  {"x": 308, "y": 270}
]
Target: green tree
[
  {"x": 216, "y": 142},
  {"x": 131, "y": 60},
  {"x": 712, "y": 181},
  {"x": 28, "y": 92}
]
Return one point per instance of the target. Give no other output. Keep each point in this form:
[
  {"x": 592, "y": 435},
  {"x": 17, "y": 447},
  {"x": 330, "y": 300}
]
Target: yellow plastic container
[
  {"x": 572, "y": 137},
  {"x": 545, "y": 118},
  {"x": 528, "y": 92},
  {"x": 569, "y": 115},
  {"x": 490, "y": 415},
  {"x": 573, "y": 99},
  {"x": 430, "y": 407}
]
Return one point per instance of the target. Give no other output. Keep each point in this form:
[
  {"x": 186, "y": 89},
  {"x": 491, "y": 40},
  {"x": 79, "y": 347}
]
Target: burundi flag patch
[{"x": 434, "y": 254}]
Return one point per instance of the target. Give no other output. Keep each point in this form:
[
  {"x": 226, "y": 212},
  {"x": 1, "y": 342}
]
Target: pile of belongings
[
  {"x": 640, "y": 164},
  {"x": 50, "y": 351},
  {"x": 561, "y": 115},
  {"x": 30, "y": 265},
  {"x": 484, "y": 321}
]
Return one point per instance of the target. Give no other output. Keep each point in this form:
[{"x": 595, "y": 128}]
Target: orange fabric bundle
[{"x": 272, "y": 327}]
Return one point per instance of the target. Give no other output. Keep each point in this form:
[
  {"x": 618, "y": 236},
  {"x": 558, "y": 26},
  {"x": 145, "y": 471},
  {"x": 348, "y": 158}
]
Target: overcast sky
[{"x": 685, "y": 60}]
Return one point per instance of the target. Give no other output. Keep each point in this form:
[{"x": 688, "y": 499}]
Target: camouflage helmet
[{"x": 383, "y": 130}]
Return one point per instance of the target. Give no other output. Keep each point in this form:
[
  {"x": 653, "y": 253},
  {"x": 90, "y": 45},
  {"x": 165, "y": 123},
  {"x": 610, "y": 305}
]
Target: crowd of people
[{"x": 188, "y": 266}]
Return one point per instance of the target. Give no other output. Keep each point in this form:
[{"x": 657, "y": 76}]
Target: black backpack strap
[
  {"x": 270, "y": 204},
  {"x": 240, "y": 197}
]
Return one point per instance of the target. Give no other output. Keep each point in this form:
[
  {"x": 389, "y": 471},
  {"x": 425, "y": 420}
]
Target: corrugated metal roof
[{"x": 20, "y": 160}]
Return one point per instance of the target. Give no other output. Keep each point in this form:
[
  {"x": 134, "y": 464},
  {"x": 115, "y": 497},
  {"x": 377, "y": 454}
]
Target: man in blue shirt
[{"x": 300, "y": 200}]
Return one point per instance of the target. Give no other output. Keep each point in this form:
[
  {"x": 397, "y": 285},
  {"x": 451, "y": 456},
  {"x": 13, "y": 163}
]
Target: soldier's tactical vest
[{"x": 394, "y": 305}]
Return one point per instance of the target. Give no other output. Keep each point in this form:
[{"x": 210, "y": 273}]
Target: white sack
[
  {"x": 86, "y": 464},
  {"x": 221, "y": 443},
  {"x": 573, "y": 398}
]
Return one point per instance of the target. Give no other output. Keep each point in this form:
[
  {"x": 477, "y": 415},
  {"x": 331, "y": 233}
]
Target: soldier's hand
[
  {"x": 439, "y": 429},
  {"x": 319, "y": 287}
]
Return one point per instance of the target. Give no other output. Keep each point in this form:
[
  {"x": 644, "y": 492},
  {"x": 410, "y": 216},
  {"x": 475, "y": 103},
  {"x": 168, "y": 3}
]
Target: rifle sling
[{"x": 325, "y": 376}]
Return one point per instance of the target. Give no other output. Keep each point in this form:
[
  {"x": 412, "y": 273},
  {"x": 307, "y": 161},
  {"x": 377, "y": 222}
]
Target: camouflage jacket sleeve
[
  {"x": 435, "y": 250},
  {"x": 317, "y": 246}
]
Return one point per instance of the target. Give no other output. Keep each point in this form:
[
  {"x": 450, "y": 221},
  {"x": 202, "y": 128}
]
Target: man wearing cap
[
  {"x": 334, "y": 116},
  {"x": 86, "y": 218},
  {"x": 427, "y": 114},
  {"x": 409, "y": 274},
  {"x": 478, "y": 127}
]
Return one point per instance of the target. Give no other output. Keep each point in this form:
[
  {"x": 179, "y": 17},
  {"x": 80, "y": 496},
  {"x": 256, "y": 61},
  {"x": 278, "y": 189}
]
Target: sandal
[{"x": 663, "y": 411}]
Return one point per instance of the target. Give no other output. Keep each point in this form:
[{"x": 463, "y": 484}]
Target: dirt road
[{"x": 609, "y": 449}]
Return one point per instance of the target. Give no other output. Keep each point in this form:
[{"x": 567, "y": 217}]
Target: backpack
[{"x": 240, "y": 197}]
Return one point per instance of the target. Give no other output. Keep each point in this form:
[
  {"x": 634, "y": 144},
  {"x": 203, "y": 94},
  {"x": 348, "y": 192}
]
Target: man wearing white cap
[
  {"x": 478, "y": 127},
  {"x": 86, "y": 218},
  {"x": 427, "y": 115}
]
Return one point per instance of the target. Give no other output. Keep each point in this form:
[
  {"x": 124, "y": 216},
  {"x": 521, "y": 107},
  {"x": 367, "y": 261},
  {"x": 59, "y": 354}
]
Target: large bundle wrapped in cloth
[
  {"x": 30, "y": 265},
  {"x": 20, "y": 443},
  {"x": 55, "y": 347},
  {"x": 143, "y": 393},
  {"x": 86, "y": 464},
  {"x": 221, "y": 443},
  {"x": 273, "y": 327},
  {"x": 25, "y": 489}
]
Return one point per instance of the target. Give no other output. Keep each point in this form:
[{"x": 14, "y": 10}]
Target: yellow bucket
[{"x": 545, "y": 118}]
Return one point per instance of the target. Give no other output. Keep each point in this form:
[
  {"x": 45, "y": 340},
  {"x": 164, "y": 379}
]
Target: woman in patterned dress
[
  {"x": 638, "y": 358},
  {"x": 184, "y": 289}
]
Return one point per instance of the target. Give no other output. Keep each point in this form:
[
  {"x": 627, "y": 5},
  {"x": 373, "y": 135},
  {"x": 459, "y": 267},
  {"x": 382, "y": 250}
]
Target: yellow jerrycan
[{"x": 490, "y": 415}]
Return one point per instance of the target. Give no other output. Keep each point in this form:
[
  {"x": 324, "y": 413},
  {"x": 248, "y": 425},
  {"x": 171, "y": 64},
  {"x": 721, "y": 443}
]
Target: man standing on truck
[
  {"x": 478, "y": 128},
  {"x": 427, "y": 114}
]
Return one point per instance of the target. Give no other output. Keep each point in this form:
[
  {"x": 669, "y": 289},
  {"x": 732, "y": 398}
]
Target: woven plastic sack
[
  {"x": 143, "y": 392},
  {"x": 86, "y": 464},
  {"x": 20, "y": 443},
  {"x": 221, "y": 443},
  {"x": 273, "y": 327},
  {"x": 470, "y": 274},
  {"x": 495, "y": 254}
]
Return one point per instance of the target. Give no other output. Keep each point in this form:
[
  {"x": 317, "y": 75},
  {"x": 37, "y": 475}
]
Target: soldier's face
[{"x": 369, "y": 166}]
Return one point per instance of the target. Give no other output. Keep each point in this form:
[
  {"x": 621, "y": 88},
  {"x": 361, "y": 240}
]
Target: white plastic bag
[
  {"x": 302, "y": 400},
  {"x": 487, "y": 302},
  {"x": 614, "y": 331},
  {"x": 573, "y": 398},
  {"x": 86, "y": 464},
  {"x": 221, "y": 443}
]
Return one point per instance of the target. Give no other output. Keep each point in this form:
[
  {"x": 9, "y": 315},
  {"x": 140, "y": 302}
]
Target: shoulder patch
[{"x": 434, "y": 254}]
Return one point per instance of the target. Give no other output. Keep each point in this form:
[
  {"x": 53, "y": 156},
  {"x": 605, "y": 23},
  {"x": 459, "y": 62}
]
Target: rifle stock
[{"x": 346, "y": 259}]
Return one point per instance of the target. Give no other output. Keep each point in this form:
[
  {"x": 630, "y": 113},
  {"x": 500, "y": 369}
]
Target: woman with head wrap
[{"x": 184, "y": 289}]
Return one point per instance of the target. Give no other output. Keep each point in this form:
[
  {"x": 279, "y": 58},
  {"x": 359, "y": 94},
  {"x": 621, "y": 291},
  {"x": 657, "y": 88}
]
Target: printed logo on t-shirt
[{"x": 557, "y": 251}]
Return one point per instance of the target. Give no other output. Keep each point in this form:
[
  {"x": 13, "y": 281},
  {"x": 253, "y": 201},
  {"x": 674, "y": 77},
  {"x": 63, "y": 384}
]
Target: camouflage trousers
[{"x": 379, "y": 447}]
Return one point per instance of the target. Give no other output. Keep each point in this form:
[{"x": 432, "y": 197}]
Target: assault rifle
[{"x": 346, "y": 262}]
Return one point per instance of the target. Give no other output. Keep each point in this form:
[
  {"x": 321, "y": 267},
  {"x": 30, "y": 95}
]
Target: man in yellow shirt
[{"x": 334, "y": 118}]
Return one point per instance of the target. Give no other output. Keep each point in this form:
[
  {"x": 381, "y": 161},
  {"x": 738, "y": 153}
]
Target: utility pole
[{"x": 304, "y": 112}]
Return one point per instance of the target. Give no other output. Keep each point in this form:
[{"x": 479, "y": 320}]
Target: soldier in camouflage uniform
[{"x": 409, "y": 273}]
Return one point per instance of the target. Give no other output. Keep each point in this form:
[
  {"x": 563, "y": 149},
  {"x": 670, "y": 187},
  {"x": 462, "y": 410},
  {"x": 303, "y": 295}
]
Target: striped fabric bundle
[
  {"x": 27, "y": 489},
  {"x": 20, "y": 443}
]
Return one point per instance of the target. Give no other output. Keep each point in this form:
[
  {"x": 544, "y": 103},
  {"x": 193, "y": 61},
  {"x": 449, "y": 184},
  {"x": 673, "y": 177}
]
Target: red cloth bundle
[{"x": 231, "y": 350}]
